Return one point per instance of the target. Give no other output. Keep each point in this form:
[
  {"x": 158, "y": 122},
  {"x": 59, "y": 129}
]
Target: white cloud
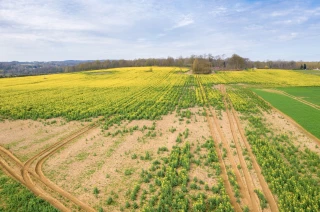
[
  {"x": 254, "y": 27},
  {"x": 81, "y": 29},
  {"x": 288, "y": 37},
  {"x": 218, "y": 11},
  {"x": 184, "y": 21},
  {"x": 280, "y": 13}
]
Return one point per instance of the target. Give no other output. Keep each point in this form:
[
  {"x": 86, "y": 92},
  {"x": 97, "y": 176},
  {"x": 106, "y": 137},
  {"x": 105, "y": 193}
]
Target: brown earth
[{"x": 100, "y": 161}]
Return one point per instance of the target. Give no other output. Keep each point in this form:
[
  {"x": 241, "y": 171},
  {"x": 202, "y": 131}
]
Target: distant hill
[{"x": 15, "y": 68}]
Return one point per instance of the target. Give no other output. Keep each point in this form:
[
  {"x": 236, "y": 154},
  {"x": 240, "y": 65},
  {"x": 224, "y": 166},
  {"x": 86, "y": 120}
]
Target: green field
[
  {"x": 15, "y": 197},
  {"x": 308, "y": 117},
  {"x": 314, "y": 72},
  {"x": 310, "y": 94}
]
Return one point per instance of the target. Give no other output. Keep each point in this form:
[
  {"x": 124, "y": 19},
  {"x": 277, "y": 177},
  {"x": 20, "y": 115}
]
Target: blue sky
[{"x": 33, "y": 30}]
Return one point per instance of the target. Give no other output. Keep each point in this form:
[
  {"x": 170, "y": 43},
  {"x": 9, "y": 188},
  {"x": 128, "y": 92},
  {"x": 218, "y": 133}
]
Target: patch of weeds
[
  {"x": 146, "y": 157},
  {"x": 128, "y": 172},
  {"x": 172, "y": 129},
  {"x": 109, "y": 201},
  {"x": 134, "y": 156},
  {"x": 162, "y": 149},
  {"x": 96, "y": 191}
]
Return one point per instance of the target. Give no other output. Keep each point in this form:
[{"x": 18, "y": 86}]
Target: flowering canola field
[{"x": 149, "y": 93}]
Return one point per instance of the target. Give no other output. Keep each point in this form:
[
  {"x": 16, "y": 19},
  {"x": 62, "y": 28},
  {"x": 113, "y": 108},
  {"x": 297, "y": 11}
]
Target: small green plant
[
  {"x": 127, "y": 205},
  {"x": 179, "y": 139},
  {"x": 172, "y": 129},
  {"x": 128, "y": 172},
  {"x": 162, "y": 149},
  {"x": 96, "y": 191},
  {"x": 263, "y": 200},
  {"x": 135, "y": 205},
  {"x": 109, "y": 201}
]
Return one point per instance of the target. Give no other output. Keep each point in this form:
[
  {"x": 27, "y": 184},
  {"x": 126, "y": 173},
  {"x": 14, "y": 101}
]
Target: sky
[{"x": 51, "y": 30}]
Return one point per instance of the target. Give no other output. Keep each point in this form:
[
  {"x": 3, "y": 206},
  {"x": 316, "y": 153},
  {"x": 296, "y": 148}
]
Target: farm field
[
  {"x": 310, "y": 94},
  {"x": 304, "y": 113},
  {"x": 160, "y": 139},
  {"x": 12, "y": 191},
  {"x": 314, "y": 72}
]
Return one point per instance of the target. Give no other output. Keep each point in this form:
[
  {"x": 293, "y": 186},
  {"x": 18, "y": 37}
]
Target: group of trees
[
  {"x": 201, "y": 66},
  {"x": 201, "y": 63}
]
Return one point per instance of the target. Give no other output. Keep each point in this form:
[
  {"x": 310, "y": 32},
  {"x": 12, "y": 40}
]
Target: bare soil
[
  {"x": 281, "y": 125},
  {"x": 98, "y": 160},
  {"x": 26, "y": 138}
]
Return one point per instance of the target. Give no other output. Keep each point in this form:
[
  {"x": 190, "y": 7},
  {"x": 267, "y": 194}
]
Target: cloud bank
[{"x": 35, "y": 30}]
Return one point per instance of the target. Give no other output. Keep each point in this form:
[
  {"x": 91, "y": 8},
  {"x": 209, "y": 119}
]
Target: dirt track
[
  {"x": 217, "y": 135},
  {"x": 248, "y": 179},
  {"x": 222, "y": 164},
  {"x": 237, "y": 127},
  {"x": 33, "y": 178}
]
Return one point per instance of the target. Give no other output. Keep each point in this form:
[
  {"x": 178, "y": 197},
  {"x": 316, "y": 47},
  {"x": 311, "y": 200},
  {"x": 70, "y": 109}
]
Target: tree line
[{"x": 199, "y": 63}]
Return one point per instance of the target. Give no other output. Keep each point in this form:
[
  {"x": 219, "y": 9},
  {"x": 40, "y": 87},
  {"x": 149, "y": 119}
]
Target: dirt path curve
[
  {"x": 6, "y": 168},
  {"x": 36, "y": 189},
  {"x": 294, "y": 97},
  {"x": 32, "y": 177},
  {"x": 53, "y": 186},
  {"x": 9, "y": 171},
  {"x": 224, "y": 174},
  {"x": 265, "y": 188},
  {"x": 41, "y": 157},
  {"x": 11, "y": 156}
]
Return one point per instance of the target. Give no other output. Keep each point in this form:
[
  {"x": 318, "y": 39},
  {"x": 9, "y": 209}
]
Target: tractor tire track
[
  {"x": 45, "y": 154},
  {"x": 245, "y": 194},
  {"x": 11, "y": 156},
  {"x": 50, "y": 184},
  {"x": 6, "y": 168},
  {"x": 25, "y": 172},
  {"x": 242, "y": 184},
  {"x": 224, "y": 174},
  {"x": 248, "y": 178},
  {"x": 265, "y": 188}
]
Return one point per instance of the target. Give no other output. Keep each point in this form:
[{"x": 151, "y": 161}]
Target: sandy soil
[
  {"x": 25, "y": 138},
  {"x": 100, "y": 161},
  {"x": 280, "y": 125}
]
